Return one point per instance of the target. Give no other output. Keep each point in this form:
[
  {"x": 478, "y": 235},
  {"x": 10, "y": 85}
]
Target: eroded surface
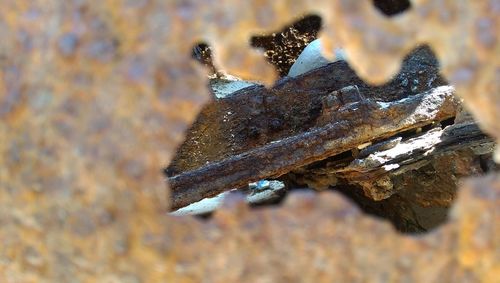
[{"x": 95, "y": 96}]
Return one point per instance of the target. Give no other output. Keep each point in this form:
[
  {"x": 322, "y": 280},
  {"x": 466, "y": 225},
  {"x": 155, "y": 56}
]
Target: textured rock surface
[
  {"x": 95, "y": 97},
  {"x": 412, "y": 181},
  {"x": 223, "y": 87},
  {"x": 450, "y": 152},
  {"x": 257, "y": 116},
  {"x": 335, "y": 130}
]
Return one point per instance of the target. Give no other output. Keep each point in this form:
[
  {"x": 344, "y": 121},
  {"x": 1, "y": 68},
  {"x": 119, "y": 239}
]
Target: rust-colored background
[{"x": 96, "y": 95}]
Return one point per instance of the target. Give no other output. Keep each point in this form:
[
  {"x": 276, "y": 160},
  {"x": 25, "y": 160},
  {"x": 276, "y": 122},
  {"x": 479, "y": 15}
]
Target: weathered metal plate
[{"x": 96, "y": 95}]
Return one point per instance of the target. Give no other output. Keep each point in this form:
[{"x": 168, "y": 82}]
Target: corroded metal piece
[
  {"x": 383, "y": 172},
  {"x": 353, "y": 124},
  {"x": 95, "y": 97},
  {"x": 256, "y": 116}
]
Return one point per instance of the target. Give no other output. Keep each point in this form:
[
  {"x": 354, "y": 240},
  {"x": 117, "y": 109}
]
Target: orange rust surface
[{"x": 96, "y": 95}]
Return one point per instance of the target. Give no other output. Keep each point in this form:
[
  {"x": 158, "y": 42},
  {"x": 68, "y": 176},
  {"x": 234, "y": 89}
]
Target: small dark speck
[{"x": 68, "y": 43}]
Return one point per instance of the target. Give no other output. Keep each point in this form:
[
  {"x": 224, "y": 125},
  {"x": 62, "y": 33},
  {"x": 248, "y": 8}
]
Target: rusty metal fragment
[
  {"x": 256, "y": 116},
  {"x": 411, "y": 155},
  {"x": 95, "y": 96},
  {"x": 351, "y": 125}
]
